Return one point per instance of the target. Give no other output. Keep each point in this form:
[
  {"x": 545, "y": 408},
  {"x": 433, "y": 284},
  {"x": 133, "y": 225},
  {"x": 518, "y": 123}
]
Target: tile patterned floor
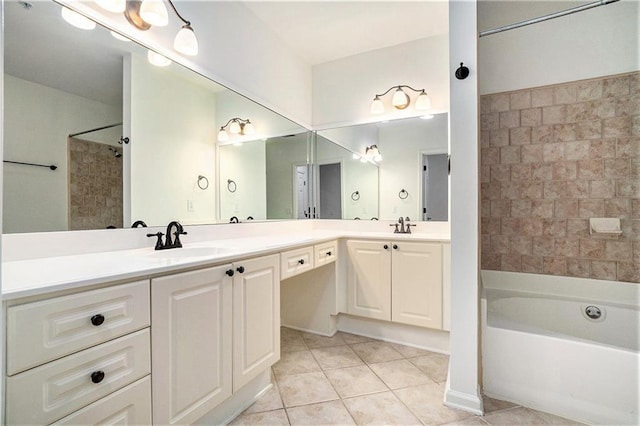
[{"x": 353, "y": 380}]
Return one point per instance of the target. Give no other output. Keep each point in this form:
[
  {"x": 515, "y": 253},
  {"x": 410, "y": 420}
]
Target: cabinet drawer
[
  {"x": 47, "y": 393},
  {"x": 128, "y": 406},
  {"x": 294, "y": 262},
  {"x": 42, "y": 331},
  {"x": 325, "y": 252}
]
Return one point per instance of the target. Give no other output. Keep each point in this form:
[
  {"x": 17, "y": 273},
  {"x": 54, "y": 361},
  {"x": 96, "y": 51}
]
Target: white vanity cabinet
[
  {"x": 71, "y": 352},
  {"x": 397, "y": 281},
  {"x": 213, "y": 331}
]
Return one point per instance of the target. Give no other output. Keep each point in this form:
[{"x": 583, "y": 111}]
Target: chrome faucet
[
  {"x": 174, "y": 230},
  {"x": 403, "y": 226}
]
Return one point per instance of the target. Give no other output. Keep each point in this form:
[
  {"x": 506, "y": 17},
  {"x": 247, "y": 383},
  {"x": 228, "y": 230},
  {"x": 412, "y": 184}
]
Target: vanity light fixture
[
  {"x": 77, "y": 20},
  {"x": 157, "y": 59},
  {"x": 236, "y": 126},
  {"x": 401, "y": 99},
  {"x": 372, "y": 153},
  {"x": 143, "y": 14}
]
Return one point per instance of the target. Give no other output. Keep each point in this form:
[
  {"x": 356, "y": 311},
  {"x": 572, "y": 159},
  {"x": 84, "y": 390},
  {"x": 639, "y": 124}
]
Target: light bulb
[
  {"x": 119, "y": 36},
  {"x": 400, "y": 99},
  {"x": 77, "y": 20},
  {"x": 154, "y": 12},
  {"x": 234, "y": 127},
  {"x": 248, "y": 128},
  {"x": 157, "y": 59},
  {"x": 186, "y": 41},
  {"x": 423, "y": 102},
  {"x": 115, "y": 6},
  {"x": 222, "y": 136},
  {"x": 377, "y": 107}
]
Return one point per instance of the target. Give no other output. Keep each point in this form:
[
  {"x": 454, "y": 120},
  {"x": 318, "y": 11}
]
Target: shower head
[{"x": 116, "y": 153}]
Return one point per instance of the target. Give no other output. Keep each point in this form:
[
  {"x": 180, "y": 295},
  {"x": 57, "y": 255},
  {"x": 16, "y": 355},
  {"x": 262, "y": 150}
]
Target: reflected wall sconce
[
  {"x": 401, "y": 100},
  {"x": 143, "y": 14},
  {"x": 236, "y": 126},
  {"x": 372, "y": 153}
]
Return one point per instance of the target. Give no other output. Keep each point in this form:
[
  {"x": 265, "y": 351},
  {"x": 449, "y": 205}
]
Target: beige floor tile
[
  {"x": 550, "y": 419},
  {"x": 316, "y": 341},
  {"x": 380, "y": 409},
  {"x": 306, "y": 388},
  {"x": 408, "y": 351},
  {"x": 336, "y": 357},
  {"x": 434, "y": 365},
  {"x": 400, "y": 374},
  {"x": 350, "y": 339},
  {"x": 324, "y": 413},
  {"x": 289, "y": 332},
  {"x": 490, "y": 405},
  {"x": 268, "y": 402},
  {"x": 292, "y": 343},
  {"x": 295, "y": 363},
  {"x": 273, "y": 418},
  {"x": 426, "y": 403},
  {"x": 471, "y": 421},
  {"x": 355, "y": 381},
  {"x": 515, "y": 416},
  {"x": 376, "y": 351}
]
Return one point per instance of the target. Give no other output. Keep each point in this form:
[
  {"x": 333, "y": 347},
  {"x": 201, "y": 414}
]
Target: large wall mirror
[
  {"x": 411, "y": 178},
  {"x": 71, "y": 95}
]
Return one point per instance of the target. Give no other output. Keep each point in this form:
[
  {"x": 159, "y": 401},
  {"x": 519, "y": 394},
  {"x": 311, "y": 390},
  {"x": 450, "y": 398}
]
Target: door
[
  {"x": 330, "y": 191},
  {"x": 256, "y": 317},
  {"x": 302, "y": 192},
  {"x": 417, "y": 284},
  {"x": 435, "y": 187},
  {"x": 191, "y": 344},
  {"x": 369, "y": 279}
]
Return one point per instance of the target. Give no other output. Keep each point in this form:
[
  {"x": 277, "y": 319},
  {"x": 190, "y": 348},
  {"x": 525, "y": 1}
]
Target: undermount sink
[{"x": 186, "y": 252}]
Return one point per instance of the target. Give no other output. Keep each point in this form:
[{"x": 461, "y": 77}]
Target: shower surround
[{"x": 551, "y": 158}]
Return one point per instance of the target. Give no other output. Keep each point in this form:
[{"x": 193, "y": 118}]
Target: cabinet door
[
  {"x": 417, "y": 284},
  {"x": 191, "y": 342},
  {"x": 256, "y": 317},
  {"x": 369, "y": 279}
]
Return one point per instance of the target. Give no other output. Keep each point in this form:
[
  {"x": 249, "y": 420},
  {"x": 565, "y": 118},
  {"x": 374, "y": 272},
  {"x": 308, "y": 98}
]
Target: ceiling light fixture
[
  {"x": 77, "y": 20},
  {"x": 401, "y": 99},
  {"x": 372, "y": 153},
  {"x": 236, "y": 126},
  {"x": 143, "y": 14}
]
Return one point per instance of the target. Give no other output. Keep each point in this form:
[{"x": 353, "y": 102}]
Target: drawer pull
[
  {"x": 328, "y": 253},
  {"x": 240, "y": 269},
  {"x": 301, "y": 261},
  {"x": 229, "y": 272},
  {"x": 97, "y": 376},
  {"x": 97, "y": 319}
]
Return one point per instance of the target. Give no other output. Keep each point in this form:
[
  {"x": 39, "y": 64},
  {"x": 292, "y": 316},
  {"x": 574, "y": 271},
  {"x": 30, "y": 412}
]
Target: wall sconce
[
  {"x": 372, "y": 153},
  {"x": 237, "y": 126},
  {"x": 401, "y": 100},
  {"x": 142, "y": 14}
]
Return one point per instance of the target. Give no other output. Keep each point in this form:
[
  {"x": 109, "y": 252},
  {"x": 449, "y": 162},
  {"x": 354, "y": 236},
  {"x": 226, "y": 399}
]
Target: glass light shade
[
  {"x": 234, "y": 127},
  {"x": 222, "y": 136},
  {"x": 355, "y": 156},
  {"x": 248, "y": 128},
  {"x": 400, "y": 99},
  {"x": 427, "y": 117},
  {"x": 154, "y": 12},
  {"x": 77, "y": 20},
  {"x": 363, "y": 159},
  {"x": 115, "y": 6},
  {"x": 423, "y": 102},
  {"x": 377, "y": 107},
  {"x": 186, "y": 41},
  {"x": 377, "y": 158},
  {"x": 119, "y": 37},
  {"x": 157, "y": 59}
]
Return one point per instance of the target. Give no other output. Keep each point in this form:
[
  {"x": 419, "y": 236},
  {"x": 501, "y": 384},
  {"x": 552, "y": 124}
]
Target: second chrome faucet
[{"x": 172, "y": 240}]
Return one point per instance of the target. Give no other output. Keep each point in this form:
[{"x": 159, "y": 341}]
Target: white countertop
[{"x": 22, "y": 278}]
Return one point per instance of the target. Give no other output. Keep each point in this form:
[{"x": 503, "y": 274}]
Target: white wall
[
  {"x": 402, "y": 144},
  {"x": 245, "y": 164},
  {"x": 172, "y": 143},
  {"x": 597, "y": 42},
  {"x": 237, "y": 50},
  {"x": 38, "y": 120},
  {"x": 343, "y": 89}
]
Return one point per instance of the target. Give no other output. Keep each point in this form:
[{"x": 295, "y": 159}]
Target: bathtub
[{"x": 541, "y": 349}]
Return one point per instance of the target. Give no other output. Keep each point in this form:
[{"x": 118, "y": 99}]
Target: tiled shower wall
[
  {"x": 95, "y": 186},
  {"x": 551, "y": 158}
]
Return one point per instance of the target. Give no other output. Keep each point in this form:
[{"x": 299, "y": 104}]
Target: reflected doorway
[
  {"x": 330, "y": 179},
  {"x": 435, "y": 187},
  {"x": 303, "y": 207}
]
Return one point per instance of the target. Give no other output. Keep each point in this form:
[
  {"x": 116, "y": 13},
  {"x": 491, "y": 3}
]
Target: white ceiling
[{"x": 323, "y": 31}]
